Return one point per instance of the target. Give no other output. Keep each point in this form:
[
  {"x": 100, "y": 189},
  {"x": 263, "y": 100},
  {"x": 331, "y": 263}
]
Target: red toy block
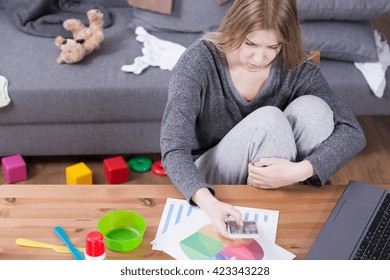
[
  {"x": 116, "y": 170},
  {"x": 14, "y": 168}
]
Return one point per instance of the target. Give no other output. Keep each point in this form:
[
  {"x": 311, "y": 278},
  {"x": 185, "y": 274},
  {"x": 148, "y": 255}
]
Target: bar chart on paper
[
  {"x": 177, "y": 210},
  {"x": 267, "y": 220}
]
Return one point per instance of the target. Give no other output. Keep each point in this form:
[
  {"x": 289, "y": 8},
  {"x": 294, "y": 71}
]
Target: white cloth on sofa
[
  {"x": 4, "y": 98},
  {"x": 375, "y": 72},
  {"x": 156, "y": 52}
]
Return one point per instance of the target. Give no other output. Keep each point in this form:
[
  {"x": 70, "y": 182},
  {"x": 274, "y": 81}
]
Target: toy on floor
[
  {"x": 116, "y": 170},
  {"x": 85, "y": 39},
  {"x": 140, "y": 164},
  {"x": 14, "y": 168},
  {"x": 78, "y": 174},
  {"x": 158, "y": 169}
]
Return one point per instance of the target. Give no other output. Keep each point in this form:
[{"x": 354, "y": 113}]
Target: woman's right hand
[{"x": 217, "y": 211}]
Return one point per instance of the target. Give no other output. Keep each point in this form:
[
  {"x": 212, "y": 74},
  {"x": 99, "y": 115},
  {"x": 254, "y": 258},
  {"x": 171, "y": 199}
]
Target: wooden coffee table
[{"x": 31, "y": 211}]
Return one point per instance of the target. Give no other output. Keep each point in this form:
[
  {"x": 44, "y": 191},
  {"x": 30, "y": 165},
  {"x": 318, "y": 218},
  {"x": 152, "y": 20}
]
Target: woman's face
[{"x": 258, "y": 50}]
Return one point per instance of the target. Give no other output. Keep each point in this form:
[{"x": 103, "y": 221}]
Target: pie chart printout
[{"x": 205, "y": 244}]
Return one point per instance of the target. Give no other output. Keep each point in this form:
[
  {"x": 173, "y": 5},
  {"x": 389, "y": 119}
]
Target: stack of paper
[{"x": 185, "y": 232}]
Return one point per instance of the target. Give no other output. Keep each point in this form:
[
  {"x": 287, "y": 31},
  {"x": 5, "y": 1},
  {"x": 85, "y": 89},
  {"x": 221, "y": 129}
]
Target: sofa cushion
[
  {"x": 349, "y": 84},
  {"x": 187, "y": 16},
  {"x": 341, "y": 40},
  {"x": 342, "y": 9},
  {"x": 95, "y": 90}
]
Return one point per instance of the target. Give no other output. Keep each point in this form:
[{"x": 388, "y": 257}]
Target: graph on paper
[
  {"x": 176, "y": 210},
  {"x": 267, "y": 220}
]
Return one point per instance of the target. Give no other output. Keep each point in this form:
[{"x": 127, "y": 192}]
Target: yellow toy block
[{"x": 78, "y": 174}]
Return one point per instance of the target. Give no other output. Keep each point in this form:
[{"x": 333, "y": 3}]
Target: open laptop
[{"x": 357, "y": 228}]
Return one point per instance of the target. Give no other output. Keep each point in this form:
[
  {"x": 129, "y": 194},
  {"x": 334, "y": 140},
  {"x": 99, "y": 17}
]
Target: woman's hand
[
  {"x": 216, "y": 210},
  {"x": 273, "y": 173}
]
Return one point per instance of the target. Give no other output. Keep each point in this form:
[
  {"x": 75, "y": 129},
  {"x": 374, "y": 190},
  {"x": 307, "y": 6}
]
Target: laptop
[{"x": 358, "y": 227}]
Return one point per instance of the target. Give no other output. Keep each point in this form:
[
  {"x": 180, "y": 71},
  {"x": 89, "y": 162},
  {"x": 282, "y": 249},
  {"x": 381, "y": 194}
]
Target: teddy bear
[{"x": 85, "y": 39}]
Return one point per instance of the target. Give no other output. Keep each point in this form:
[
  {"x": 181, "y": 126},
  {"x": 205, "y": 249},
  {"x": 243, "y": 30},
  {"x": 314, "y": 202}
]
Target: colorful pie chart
[{"x": 205, "y": 244}]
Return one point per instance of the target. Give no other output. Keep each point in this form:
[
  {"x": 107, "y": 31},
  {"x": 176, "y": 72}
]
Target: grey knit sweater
[{"x": 202, "y": 107}]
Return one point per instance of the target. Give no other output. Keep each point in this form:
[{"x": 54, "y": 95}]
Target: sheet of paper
[
  {"x": 177, "y": 210},
  {"x": 193, "y": 238}
]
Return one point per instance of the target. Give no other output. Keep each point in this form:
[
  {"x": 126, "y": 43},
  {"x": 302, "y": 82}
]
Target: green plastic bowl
[{"x": 122, "y": 230}]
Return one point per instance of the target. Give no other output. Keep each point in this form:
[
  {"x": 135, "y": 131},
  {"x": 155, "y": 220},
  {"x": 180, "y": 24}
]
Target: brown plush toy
[{"x": 85, "y": 39}]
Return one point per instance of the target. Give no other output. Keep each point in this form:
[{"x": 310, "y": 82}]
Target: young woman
[{"x": 246, "y": 106}]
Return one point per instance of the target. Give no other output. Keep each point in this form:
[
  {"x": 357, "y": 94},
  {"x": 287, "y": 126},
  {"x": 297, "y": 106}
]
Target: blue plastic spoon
[{"x": 62, "y": 235}]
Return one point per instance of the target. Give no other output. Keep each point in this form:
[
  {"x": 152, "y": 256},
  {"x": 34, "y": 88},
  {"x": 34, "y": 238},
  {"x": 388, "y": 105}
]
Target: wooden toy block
[
  {"x": 14, "y": 168},
  {"x": 116, "y": 170},
  {"x": 78, "y": 174}
]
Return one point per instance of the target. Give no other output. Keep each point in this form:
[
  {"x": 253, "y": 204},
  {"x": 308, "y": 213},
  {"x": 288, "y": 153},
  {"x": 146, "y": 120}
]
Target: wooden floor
[{"x": 372, "y": 165}]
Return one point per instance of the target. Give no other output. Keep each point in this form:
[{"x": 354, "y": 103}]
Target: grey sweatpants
[{"x": 268, "y": 132}]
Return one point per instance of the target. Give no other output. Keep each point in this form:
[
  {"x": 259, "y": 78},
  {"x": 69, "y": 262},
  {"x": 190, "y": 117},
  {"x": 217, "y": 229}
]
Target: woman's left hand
[{"x": 273, "y": 173}]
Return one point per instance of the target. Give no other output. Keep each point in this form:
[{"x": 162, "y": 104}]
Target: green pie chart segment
[{"x": 199, "y": 246}]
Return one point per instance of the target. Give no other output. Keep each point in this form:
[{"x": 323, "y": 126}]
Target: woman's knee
[
  {"x": 312, "y": 123},
  {"x": 268, "y": 116},
  {"x": 270, "y": 121},
  {"x": 272, "y": 136},
  {"x": 312, "y": 111}
]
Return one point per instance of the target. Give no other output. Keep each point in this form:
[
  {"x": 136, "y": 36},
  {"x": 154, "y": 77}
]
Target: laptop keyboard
[{"x": 376, "y": 243}]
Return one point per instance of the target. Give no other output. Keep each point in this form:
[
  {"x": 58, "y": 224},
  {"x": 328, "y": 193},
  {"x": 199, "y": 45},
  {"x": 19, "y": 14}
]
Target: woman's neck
[{"x": 248, "y": 84}]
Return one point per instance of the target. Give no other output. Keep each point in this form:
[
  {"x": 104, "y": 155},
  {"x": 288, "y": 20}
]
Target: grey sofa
[{"x": 95, "y": 108}]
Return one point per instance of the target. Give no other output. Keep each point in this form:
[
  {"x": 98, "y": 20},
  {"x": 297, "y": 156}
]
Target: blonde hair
[{"x": 245, "y": 16}]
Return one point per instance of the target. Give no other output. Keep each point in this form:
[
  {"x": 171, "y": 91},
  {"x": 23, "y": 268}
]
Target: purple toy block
[{"x": 14, "y": 169}]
